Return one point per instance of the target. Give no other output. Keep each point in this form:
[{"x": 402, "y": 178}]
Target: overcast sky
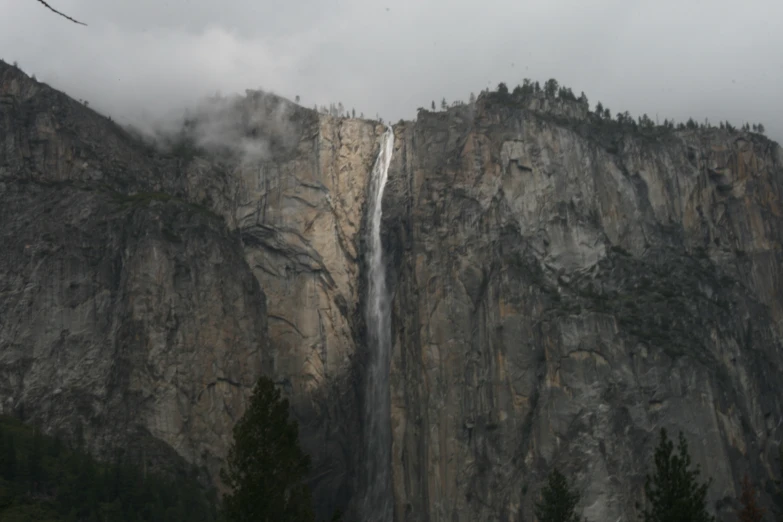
[{"x": 675, "y": 58}]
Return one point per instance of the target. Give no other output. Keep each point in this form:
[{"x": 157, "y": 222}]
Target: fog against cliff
[{"x": 141, "y": 60}]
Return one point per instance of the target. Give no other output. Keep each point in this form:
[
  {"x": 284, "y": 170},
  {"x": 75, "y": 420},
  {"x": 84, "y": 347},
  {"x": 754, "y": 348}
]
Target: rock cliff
[
  {"x": 561, "y": 294},
  {"x": 561, "y": 290}
]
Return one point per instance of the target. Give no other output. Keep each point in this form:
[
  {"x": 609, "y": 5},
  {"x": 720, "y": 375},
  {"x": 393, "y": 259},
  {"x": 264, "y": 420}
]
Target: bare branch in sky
[{"x": 61, "y": 14}]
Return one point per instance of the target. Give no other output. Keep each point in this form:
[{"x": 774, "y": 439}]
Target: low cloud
[
  {"x": 244, "y": 129},
  {"x": 142, "y": 61}
]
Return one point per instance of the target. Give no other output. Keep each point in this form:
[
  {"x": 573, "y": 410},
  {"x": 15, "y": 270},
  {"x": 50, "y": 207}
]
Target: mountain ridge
[{"x": 562, "y": 286}]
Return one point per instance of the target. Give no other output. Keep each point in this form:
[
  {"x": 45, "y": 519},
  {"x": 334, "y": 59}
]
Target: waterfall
[{"x": 377, "y": 505}]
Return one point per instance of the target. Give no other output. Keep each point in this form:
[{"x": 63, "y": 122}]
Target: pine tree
[
  {"x": 8, "y": 462},
  {"x": 443, "y": 104},
  {"x": 673, "y": 491},
  {"x": 34, "y": 469},
  {"x": 558, "y": 503},
  {"x": 433, "y": 105},
  {"x": 778, "y": 494},
  {"x": 502, "y": 89},
  {"x": 751, "y": 511},
  {"x": 472, "y": 98},
  {"x": 266, "y": 467},
  {"x": 550, "y": 88}
]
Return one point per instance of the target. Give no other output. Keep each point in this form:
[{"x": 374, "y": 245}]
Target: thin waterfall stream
[{"x": 377, "y": 505}]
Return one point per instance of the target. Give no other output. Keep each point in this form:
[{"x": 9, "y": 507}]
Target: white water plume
[{"x": 377, "y": 505}]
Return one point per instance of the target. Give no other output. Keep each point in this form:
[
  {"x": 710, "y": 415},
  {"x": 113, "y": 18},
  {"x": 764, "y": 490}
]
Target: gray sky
[{"x": 140, "y": 58}]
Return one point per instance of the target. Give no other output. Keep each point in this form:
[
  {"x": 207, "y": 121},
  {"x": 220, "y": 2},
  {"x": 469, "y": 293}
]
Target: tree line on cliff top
[{"x": 554, "y": 91}]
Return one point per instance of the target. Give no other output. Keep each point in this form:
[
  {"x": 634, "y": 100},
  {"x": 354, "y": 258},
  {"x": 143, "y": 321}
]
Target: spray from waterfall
[{"x": 377, "y": 503}]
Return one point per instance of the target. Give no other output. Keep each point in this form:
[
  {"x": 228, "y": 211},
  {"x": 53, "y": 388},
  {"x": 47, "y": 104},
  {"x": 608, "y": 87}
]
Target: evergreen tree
[
  {"x": 599, "y": 109},
  {"x": 526, "y": 89},
  {"x": 558, "y": 502},
  {"x": 266, "y": 467},
  {"x": 645, "y": 122},
  {"x": 443, "y": 104},
  {"x": 472, "y": 98},
  {"x": 433, "y": 105},
  {"x": 550, "y": 88},
  {"x": 673, "y": 491},
  {"x": 8, "y": 456},
  {"x": 353, "y": 113},
  {"x": 35, "y": 473},
  {"x": 502, "y": 89},
  {"x": 751, "y": 511},
  {"x": 760, "y": 128},
  {"x": 778, "y": 494}
]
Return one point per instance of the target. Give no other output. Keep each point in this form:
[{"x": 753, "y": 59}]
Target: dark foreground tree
[
  {"x": 751, "y": 511},
  {"x": 61, "y": 14},
  {"x": 265, "y": 466},
  {"x": 558, "y": 502},
  {"x": 673, "y": 492}
]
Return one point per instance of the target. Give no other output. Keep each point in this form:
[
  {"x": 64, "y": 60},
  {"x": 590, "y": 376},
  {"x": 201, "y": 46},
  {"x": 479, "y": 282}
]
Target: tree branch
[{"x": 61, "y": 14}]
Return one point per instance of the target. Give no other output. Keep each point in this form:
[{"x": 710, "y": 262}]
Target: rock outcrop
[
  {"x": 562, "y": 289},
  {"x": 129, "y": 320},
  {"x": 145, "y": 290},
  {"x": 556, "y": 304}
]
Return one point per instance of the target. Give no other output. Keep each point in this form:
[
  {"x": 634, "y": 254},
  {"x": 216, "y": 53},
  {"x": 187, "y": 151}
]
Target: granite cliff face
[
  {"x": 128, "y": 321},
  {"x": 557, "y": 303},
  {"x": 561, "y": 291},
  {"x": 143, "y": 293}
]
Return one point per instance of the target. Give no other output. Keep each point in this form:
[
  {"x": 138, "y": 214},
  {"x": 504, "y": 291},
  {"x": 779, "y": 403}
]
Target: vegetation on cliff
[
  {"x": 559, "y": 102},
  {"x": 43, "y": 479},
  {"x": 554, "y": 92}
]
